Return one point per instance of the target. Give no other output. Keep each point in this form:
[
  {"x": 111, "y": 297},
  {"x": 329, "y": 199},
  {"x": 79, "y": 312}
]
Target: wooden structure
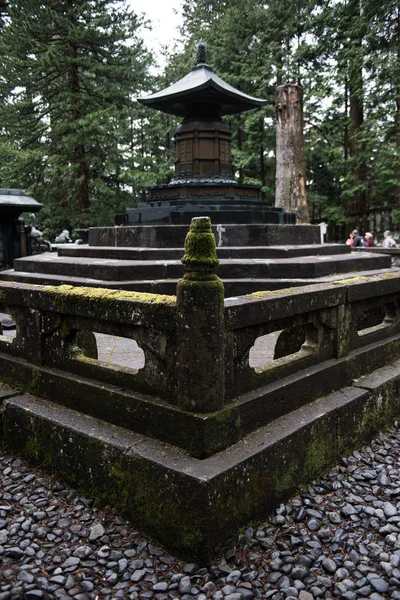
[{"x": 12, "y": 232}]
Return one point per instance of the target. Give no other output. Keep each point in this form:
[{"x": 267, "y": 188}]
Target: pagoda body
[{"x": 203, "y": 182}]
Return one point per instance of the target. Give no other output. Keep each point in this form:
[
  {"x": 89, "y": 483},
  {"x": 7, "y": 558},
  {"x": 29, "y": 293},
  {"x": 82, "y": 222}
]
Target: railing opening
[
  {"x": 263, "y": 351},
  {"x": 284, "y": 346},
  {"x": 290, "y": 341},
  {"x": 8, "y": 328},
  {"x": 109, "y": 350},
  {"x": 376, "y": 318}
]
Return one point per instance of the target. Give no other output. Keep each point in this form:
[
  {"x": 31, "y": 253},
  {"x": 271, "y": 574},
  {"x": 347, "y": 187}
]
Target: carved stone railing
[
  {"x": 334, "y": 320},
  {"x": 199, "y": 388},
  {"x": 55, "y": 327}
]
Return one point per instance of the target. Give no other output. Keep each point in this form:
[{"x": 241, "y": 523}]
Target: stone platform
[
  {"x": 197, "y": 438},
  {"x": 193, "y": 506},
  {"x": 147, "y": 259},
  {"x": 191, "y": 478},
  {"x": 233, "y": 208}
]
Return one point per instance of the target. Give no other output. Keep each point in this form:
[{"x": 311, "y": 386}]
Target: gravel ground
[{"x": 340, "y": 538}]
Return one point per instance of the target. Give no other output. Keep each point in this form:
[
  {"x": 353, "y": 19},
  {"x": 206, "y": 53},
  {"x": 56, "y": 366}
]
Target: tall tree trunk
[
  {"x": 356, "y": 162},
  {"x": 239, "y": 146},
  {"x": 262, "y": 159},
  {"x": 262, "y": 169},
  {"x": 356, "y": 102},
  {"x": 290, "y": 191},
  {"x": 398, "y": 108},
  {"x": 397, "y": 171},
  {"x": 82, "y": 173},
  {"x": 82, "y": 170},
  {"x": 346, "y": 128}
]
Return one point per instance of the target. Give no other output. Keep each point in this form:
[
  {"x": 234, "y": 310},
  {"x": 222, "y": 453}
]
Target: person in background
[
  {"x": 388, "y": 241},
  {"x": 355, "y": 240},
  {"x": 369, "y": 239},
  {"x": 350, "y": 240}
]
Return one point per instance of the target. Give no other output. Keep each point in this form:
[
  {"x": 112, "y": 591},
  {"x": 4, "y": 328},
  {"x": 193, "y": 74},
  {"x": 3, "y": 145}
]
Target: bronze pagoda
[{"x": 203, "y": 183}]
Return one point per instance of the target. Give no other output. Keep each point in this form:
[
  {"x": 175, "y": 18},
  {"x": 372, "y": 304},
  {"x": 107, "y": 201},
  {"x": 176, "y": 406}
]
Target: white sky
[{"x": 162, "y": 14}]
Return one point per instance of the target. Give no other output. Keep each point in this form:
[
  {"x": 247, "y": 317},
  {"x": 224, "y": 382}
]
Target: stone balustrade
[
  {"x": 198, "y": 387},
  {"x": 55, "y": 326},
  {"x": 210, "y": 433},
  {"x": 332, "y": 319}
]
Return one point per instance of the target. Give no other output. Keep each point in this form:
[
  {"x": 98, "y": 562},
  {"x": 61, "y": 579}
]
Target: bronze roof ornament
[{"x": 201, "y": 56}]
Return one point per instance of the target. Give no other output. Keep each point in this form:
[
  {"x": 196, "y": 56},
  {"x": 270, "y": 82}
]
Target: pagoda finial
[{"x": 201, "y": 57}]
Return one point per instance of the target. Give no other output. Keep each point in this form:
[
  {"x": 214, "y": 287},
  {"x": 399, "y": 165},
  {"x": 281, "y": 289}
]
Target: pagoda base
[{"x": 177, "y": 204}]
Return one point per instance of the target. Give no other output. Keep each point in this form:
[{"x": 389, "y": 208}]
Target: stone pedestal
[{"x": 200, "y": 323}]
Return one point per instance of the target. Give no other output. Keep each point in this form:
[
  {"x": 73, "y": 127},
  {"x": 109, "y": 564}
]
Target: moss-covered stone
[
  {"x": 200, "y": 324},
  {"x": 270, "y": 293},
  {"x": 352, "y": 280},
  {"x": 200, "y": 247},
  {"x": 109, "y": 294},
  {"x": 35, "y": 384}
]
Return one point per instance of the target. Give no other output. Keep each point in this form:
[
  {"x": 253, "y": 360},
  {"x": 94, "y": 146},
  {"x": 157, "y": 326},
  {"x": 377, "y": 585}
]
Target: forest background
[{"x": 73, "y": 135}]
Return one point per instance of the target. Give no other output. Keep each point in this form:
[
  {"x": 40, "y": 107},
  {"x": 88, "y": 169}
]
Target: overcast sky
[{"x": 164, "y": 20}]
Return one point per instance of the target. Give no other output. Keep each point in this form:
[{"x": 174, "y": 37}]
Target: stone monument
[{"x": 203, "y": 183}]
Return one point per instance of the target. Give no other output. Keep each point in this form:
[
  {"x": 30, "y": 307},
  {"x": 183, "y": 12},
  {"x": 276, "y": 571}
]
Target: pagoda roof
[
  {"x": 201, "y": 86},
  {"x": 18, "y": 200}
]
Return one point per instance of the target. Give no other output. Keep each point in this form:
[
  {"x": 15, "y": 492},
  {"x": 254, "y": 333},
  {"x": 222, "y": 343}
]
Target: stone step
[
  {"x": 173, "y": 236},
  {"x": 92, "y": 452},
  {"x": 233, "y": 287},
  {"x": 128, "y": 253},
  {"x": 109, "y": 269},
  {"x": 243, "y": 214}
]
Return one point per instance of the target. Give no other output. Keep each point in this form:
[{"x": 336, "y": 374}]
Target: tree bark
[
  {"x": 356, "y": 105},
  {"x": 290, "y": 162},
  {"x": 82, "y": 169},
  {"x": 398, "y": 110},
  {"x": 357, "y": 166}
]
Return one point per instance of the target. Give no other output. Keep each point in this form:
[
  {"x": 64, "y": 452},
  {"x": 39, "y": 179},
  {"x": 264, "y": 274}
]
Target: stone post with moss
[{"x": 200, "y": 327}]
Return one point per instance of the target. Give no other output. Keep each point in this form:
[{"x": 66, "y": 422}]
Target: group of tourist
[{"x": 357, "y": 241}]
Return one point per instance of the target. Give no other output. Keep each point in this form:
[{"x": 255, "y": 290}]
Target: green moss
[
  {"x": 192, "y": 538},
  {"x": 200, "y": 248},
  {"x": 208, "y": 283},
  {"x": 344, "y": 330},
  {"x": 270, "y": 293},
  {"x": 390, "y": 276},
  {"x": 376, "y": 414},
  {"x": 118, "y": 494},
  {"x": 283, "y": 484},
  {"x": 151, "y": 498},
  {"x": 108, "y": 294},
  {"x": 302, "y": 460},
  {"x": 64, "y": 329},
  {"x": 318, "y": 454},
  {"x": 32, "y": 450},
  {"x": 36, "y": 380},
  {"x": 351, "y": 280},
  {"x": 35, "y": 447}
]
